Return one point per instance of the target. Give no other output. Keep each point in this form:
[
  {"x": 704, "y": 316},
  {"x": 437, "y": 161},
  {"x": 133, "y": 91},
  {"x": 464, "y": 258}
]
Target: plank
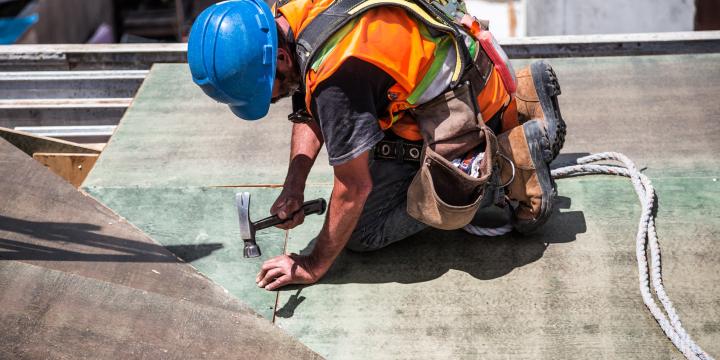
[
  {"x": 143, "y": 56},
  {"x": 201, "y": 226},
  {"x": 184, "y": 138},
  {"x": 70, "y": 84},
  {"x": 55, "y": 315},
  {"x": 31, "y": 144},
  {"x": 569, "y": 291},
  {"x": 78, "y": 279},
  {"x": 658, "y": 110},
  {"x": 67, "y": 116},
  {"x": 71, "y": 167},
  {"x": 451, "y": 295},
  {"x": 163, "y": 164},
  {"x": 448, "y": 294},
  {"x": 46, "y": 221}
]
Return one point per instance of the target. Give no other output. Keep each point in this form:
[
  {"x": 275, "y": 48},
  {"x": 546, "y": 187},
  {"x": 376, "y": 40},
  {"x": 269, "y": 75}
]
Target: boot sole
[
  {"x": 547, "y": 87},
  {"x": 540, "y": 153}
]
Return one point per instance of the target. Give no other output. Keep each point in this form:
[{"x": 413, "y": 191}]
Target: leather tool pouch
[
  {"x": 441, "y": 195},
  {"x": 446, "y": 198},
  {"x": 448, "y": 123}
]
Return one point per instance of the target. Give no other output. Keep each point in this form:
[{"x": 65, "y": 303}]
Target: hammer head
[{"x": 247, "y": 229}]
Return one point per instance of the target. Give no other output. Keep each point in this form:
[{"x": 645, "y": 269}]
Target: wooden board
[
  {"x": 78, "y": 279},
  {"x": 185, "y": 139},
  {"x": 31, "y": 144},
  {"x": 48, "y": 314},
  {"x": 569, "y": 291},
  {"x": 72, "y": 167}
]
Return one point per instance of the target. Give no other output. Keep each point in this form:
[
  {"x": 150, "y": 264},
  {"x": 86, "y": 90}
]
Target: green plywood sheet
[
  {"x": 175, "y": 135},
  {"x": 452, "y": 295},
  {"x": 448, "y": 294},
  {"x": 661, "y": 111},
  {"x": 205, "y": 222}
]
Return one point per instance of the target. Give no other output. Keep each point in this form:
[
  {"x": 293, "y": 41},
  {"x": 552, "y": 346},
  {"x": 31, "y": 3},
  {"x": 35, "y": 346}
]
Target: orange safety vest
[{"x": 374, "y": 38}]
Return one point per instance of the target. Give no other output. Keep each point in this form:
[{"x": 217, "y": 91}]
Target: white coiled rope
[{"x": 668, "y": 320}]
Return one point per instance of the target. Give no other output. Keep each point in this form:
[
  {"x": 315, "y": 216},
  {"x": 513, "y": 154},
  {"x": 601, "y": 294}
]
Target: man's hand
[
  {"x": 287, "y": 206},
  {"x": 286, "y": 270},
  {"x": 351, "y": 187}
]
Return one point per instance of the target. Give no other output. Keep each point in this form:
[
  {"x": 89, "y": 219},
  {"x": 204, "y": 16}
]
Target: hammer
[{"x": 248, "y": 228}]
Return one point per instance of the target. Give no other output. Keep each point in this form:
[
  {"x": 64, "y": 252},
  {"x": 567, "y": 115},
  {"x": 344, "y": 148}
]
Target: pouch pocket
[
  {"x": 448, "y": 123},
  {"x": 446, "y": 198}
]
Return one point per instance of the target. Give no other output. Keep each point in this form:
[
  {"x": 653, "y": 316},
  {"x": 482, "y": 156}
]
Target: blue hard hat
[{"x": 232, "y": 53}]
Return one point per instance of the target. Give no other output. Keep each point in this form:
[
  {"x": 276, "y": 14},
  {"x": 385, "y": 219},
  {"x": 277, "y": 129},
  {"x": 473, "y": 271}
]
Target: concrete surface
[
  {"x": 569, "y": 291},
  {"x": 80, "y": 282}
]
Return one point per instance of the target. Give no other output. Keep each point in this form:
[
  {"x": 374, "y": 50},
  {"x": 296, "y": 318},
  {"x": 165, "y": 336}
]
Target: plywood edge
[
  {"x": 72, "y": 167},
  {"x": 31, "y": 144}
]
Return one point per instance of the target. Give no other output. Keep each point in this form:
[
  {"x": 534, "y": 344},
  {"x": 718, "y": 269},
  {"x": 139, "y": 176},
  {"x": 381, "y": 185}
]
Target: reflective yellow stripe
[
  {"x": 458, "y": 63},
  {"x": 414, "y": 7},
  {"x": 420, "y": 12}
]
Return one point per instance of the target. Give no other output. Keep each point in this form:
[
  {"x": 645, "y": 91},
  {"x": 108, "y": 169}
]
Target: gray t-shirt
[{"x": 347, "y": 106}]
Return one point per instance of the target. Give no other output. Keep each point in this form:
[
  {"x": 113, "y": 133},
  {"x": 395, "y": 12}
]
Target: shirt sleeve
[{"x": 347, "y": 106}]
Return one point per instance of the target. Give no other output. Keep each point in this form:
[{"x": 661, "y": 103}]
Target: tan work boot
[
  {"x": 524, "y": 167},
  {"x": 536, "y": 97}
]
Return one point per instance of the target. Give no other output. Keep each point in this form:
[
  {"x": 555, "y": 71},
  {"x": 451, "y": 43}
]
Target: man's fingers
[
  {"x": 272, "y": 263},
  {"x": 260, "y": 275},
  {"x": 267, "y": 266},
  {"x": 298, "y": 218},
  {"x": 279, "y": 282},
  {"x": 287, "y": 225},
  {"x": 279, "y": 203},
  {"x": 292, "y": 206},
  {"x": 270, "y": 276}
]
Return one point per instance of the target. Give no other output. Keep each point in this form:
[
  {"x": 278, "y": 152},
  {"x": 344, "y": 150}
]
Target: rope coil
[{"x": 668, "y": 320}]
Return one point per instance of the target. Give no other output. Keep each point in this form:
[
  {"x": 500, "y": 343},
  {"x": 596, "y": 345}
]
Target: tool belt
[
  {"x": 441, "y": 195},
  {"x": 398, "y": 149}
]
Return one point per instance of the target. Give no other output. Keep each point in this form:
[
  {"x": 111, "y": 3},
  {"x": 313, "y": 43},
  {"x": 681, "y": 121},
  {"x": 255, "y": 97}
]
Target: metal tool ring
[
  {"x": 414, "y": 153},
  {"x": 513, "y": 170}
]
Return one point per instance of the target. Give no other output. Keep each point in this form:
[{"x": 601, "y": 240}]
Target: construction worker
[{"x": 360, "y": 73}]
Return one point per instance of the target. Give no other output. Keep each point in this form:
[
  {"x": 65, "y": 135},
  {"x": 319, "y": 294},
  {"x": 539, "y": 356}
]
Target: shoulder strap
[{"x": 341, "y": 12}]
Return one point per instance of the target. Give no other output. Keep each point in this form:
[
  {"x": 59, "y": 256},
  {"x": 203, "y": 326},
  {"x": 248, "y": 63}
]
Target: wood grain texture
[
  {"x": 79, "y": 281},
  {"x": 74, "y": 168},
  {"x": 31, "y": 144},
  {"x": 48, "y": 314}
]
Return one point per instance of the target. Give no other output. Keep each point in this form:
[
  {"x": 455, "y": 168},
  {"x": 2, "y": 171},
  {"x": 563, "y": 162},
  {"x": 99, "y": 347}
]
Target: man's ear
[{"x": 283, "y": 58}]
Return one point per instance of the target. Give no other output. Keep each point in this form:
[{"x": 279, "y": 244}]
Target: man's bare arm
[
  {"x": 351, "y": 187},
  {"x": 304, "y": 147}
]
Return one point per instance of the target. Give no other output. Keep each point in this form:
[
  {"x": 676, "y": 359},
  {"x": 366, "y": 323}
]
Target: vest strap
[{"x": 337, "y": 15}]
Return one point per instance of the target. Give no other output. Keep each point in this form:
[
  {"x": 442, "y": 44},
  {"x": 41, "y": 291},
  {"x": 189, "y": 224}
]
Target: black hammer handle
[{"x": 316, "y": 206}]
